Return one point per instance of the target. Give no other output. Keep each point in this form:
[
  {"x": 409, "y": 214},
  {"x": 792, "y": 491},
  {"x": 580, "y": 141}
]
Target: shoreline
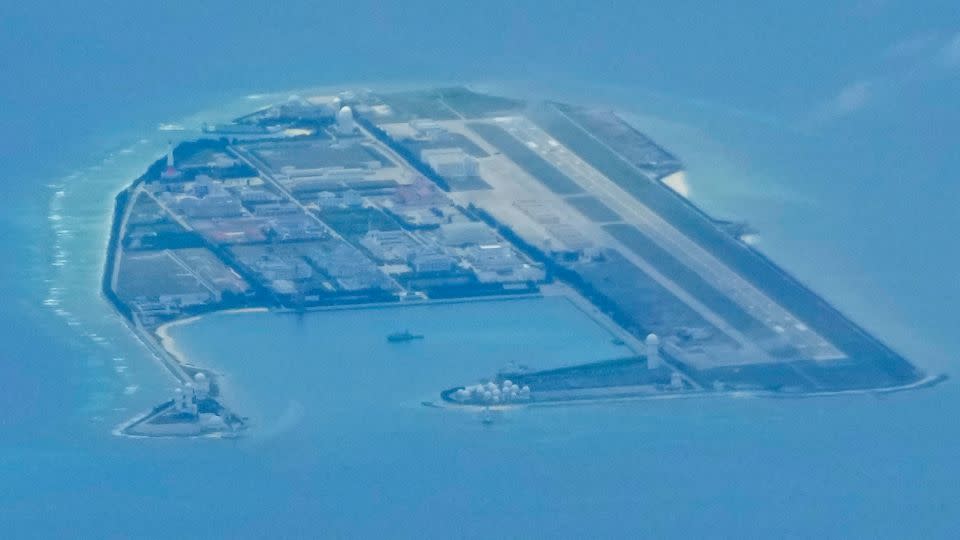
[{"x": 169, "y": 343}]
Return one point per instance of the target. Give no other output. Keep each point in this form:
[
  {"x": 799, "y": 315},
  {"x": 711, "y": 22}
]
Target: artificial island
[{"x": 389, "y": 198}]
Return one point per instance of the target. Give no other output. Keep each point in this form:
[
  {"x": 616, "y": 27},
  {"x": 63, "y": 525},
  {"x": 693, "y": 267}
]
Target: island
[{"x": 368, "y": 198}]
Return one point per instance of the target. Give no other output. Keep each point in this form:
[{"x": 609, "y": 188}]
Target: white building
[
  {"x": 426, "y": 128},
  {"x": 466, "y": 233},
  {"x": 185, "y": 399},
  {"x": 184, "y": 299},
  {"x": 201, "y": 385},
  {"x": 170, "y": 172},
  {"x": 346, "y": 125},
  {"x": 653, "y": 351},
  {"x": 390, "y": 246},
  {"x": 451, "y": 162},
  {"x": 432, "y": 261},
  {"x": 495, "y": 259}
]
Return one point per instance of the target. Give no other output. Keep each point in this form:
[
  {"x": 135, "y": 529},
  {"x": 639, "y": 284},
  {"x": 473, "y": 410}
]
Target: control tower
[
  {"x": 346, "y": 125},
  {"x": 653, "y": 351},
  {"x": 171, "y": 171}
]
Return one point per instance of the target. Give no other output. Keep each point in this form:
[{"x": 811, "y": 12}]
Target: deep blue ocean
[{"x": 832, "y": 127}]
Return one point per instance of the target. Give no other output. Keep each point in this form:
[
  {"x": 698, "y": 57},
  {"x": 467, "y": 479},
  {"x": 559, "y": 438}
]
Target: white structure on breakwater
[
  {"x": 186, "y": 398},
  {"x": 493, "y": 394}
]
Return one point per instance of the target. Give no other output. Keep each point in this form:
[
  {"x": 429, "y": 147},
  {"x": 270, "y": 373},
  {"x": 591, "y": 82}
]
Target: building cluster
[
  {"x": 437, "y": 237},
  {"x": 325, "y": 216},
  {"x": 451, "y": 162}
]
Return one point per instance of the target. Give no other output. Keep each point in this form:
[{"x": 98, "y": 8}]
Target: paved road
[{"x": 777, "y": 318}]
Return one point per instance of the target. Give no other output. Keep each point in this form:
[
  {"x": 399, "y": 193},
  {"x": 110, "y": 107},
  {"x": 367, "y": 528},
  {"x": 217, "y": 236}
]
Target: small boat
[
  {"x": 400, "y": 337},
  {"x": 487, "y": 417}
]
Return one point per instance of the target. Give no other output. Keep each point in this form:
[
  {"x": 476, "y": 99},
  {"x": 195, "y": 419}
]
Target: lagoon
[
  {"x": 343, "y": 447},
  {"x": 325, "y": 368}
]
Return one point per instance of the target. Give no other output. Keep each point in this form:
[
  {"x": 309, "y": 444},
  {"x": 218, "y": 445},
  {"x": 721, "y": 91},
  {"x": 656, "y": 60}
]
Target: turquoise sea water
[{"x": 862, "y": 207}]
